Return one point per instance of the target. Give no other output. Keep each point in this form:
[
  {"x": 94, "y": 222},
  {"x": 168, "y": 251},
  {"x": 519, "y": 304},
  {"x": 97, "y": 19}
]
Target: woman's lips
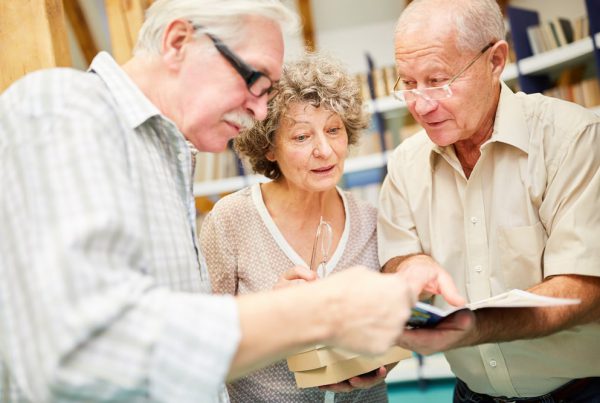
[{"x": 326, "y": 169}]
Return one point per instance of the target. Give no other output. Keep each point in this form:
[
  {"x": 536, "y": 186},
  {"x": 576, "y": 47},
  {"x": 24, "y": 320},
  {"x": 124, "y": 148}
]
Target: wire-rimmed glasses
[
  {"x": 323, "y": 241},
  {"x": 433, "y": 93},
  {"x": 258, "y": 83}
]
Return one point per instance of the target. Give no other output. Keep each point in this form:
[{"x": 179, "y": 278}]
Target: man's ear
[
  {"x": 499, "y": 57},
  {"x": 178, "y": 34}
]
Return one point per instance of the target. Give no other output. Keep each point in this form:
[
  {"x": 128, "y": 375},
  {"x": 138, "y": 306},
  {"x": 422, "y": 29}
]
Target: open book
[{"x": 425, "y": 315}]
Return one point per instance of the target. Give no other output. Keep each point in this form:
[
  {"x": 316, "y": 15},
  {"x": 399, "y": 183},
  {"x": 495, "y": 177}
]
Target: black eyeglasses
[{"x": 258, "y": 83}]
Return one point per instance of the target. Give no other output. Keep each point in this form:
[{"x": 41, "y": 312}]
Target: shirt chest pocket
[{"x": 521, "y": 252}]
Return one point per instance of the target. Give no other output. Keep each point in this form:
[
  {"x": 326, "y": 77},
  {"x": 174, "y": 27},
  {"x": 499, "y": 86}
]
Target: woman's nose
[{"x": 322, "y": 147}]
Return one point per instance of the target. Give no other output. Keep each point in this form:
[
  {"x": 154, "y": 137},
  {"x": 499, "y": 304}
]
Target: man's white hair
[
  {"x": 476, "y": 22},
  {"x": 224, "y": 18}
]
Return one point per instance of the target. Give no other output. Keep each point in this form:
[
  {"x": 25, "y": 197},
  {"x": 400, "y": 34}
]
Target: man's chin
[{"x": 440, "y": 139}]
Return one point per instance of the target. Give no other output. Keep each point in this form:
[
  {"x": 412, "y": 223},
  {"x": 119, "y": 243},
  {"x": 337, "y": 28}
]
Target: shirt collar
[
  {"x": 509, "y": 125},
  {"x": 132, "y": 102}
]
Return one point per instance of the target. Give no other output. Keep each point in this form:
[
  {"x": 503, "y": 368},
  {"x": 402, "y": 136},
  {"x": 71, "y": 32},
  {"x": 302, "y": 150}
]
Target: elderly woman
[{"x": 262, "y": 236}]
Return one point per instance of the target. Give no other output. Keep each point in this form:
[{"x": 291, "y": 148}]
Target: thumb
[{"x": 304, "y": 273}]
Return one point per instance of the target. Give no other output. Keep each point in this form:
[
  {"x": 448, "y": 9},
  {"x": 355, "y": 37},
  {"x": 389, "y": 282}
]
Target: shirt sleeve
[
  {"x": 80, "y": 321},
  {"x": 570, "y": 210},
  {"x": 396, "y": 228},
  {"x": 220, "y": 259}
]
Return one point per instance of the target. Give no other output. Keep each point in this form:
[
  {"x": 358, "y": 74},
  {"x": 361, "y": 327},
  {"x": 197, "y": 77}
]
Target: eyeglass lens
[
  {"x": 429, "y": 93},
  {"x": 262, "y": 85}
]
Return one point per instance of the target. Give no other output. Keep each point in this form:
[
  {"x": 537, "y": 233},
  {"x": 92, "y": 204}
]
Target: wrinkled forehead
[{"x": 434, "y": 28}]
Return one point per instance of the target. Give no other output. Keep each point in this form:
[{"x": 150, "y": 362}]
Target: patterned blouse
[{"x": 246, "y": 253}]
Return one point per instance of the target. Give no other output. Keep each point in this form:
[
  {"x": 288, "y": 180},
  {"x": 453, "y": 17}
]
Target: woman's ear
[{"x": 270, "y": 155}]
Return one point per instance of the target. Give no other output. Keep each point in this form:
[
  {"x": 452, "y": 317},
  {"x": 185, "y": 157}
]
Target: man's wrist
[{"x": 395, "y": 264}]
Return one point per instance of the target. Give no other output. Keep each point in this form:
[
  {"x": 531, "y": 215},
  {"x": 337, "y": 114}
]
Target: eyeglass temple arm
[
  {"x": 242, "y": 67},
  {"x": 489, "y": 45}
]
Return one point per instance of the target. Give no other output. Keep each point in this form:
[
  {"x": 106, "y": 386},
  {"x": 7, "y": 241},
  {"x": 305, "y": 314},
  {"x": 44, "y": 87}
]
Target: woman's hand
[
  {"x": 296, "y": 275},
  {"x": 364, "y": 381}
]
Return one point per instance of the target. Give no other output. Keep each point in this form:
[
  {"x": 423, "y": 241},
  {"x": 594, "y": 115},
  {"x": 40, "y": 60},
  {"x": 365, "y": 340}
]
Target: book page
[{"x": 425, "y": 315}]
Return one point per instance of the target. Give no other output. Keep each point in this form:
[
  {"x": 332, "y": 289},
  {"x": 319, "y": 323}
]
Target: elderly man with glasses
[
  {"x": 102, "y": 283},
  {"x": 502, "y": 191}
]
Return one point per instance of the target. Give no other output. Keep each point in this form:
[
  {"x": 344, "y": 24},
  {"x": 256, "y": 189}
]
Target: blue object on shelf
[
  {"x": 593, "y": 12},
  {"x": 520, "y": 19},
  {"x": 377, "y": 114},
  {"x": 364, "y": 178}
]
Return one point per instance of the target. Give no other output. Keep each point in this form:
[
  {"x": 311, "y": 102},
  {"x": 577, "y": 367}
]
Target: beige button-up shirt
[{"x": 529, "y": 210}]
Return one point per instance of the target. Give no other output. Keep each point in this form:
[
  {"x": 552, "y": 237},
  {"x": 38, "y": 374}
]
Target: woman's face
[{"x": 311, "y": 146}]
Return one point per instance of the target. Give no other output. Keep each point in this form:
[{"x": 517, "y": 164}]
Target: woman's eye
[
  {"x": 334, "y": 130},
  {"x": 301, "y": 137}
]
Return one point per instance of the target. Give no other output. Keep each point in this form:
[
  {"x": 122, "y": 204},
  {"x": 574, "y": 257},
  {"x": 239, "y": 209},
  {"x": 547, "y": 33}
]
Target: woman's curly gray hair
[{"x": 314, "y": 79}]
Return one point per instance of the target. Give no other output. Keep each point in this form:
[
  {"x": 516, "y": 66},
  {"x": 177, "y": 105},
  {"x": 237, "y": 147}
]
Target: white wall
[
  {"x": 350, "y": 28},
  {"x": 345, "y": 28},
  {"x": 548, "y": 9},
  {"x": 351, "y": 44}
]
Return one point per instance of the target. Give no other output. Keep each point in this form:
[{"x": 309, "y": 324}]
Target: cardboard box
[{"x": 327, "y": 365}]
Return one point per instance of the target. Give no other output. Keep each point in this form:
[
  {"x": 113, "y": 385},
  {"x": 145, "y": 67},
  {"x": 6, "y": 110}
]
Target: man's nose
[
  {"x": 424, "y": 105},
  {"x": 257, "y": 106}
]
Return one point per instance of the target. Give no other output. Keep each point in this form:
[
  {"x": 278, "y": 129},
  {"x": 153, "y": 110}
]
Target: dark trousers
[{"x": 585, "y": 390}]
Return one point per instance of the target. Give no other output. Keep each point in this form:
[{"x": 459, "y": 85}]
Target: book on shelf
[
  {"x": 581, "y": 27},
  {"x": 383, "y": 82},
  {"x": 552, "y": 34},
  {"x": 585, "y": 92},
  {"x": 215, "y": 166},
  {"x": 426, "y": 315}
]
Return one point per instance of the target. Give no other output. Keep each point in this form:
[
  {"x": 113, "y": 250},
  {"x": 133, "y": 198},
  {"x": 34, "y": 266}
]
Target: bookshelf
[
  {"x": 536, "y": 72},
  {"x": 558, "y": 59}
]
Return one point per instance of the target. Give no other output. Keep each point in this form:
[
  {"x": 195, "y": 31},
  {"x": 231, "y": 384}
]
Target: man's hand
[
  {"x": 367, "y": 311},
  {"x": 296, "y": 275},
  {"x": 425, "y": 275},
  {"x": 457, "y": 330},
  {"x": 364, "y": 381}
]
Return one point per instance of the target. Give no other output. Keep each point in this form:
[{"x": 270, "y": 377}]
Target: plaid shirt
[{"x": 101, "y": 279}]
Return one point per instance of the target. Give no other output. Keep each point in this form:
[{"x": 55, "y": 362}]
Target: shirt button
[
  {"x": 474, "y": 220},
  {"x": 478, "y": 268},
  {"x": 181, "y": 157},
  {"x": 493, "y": 363}
]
